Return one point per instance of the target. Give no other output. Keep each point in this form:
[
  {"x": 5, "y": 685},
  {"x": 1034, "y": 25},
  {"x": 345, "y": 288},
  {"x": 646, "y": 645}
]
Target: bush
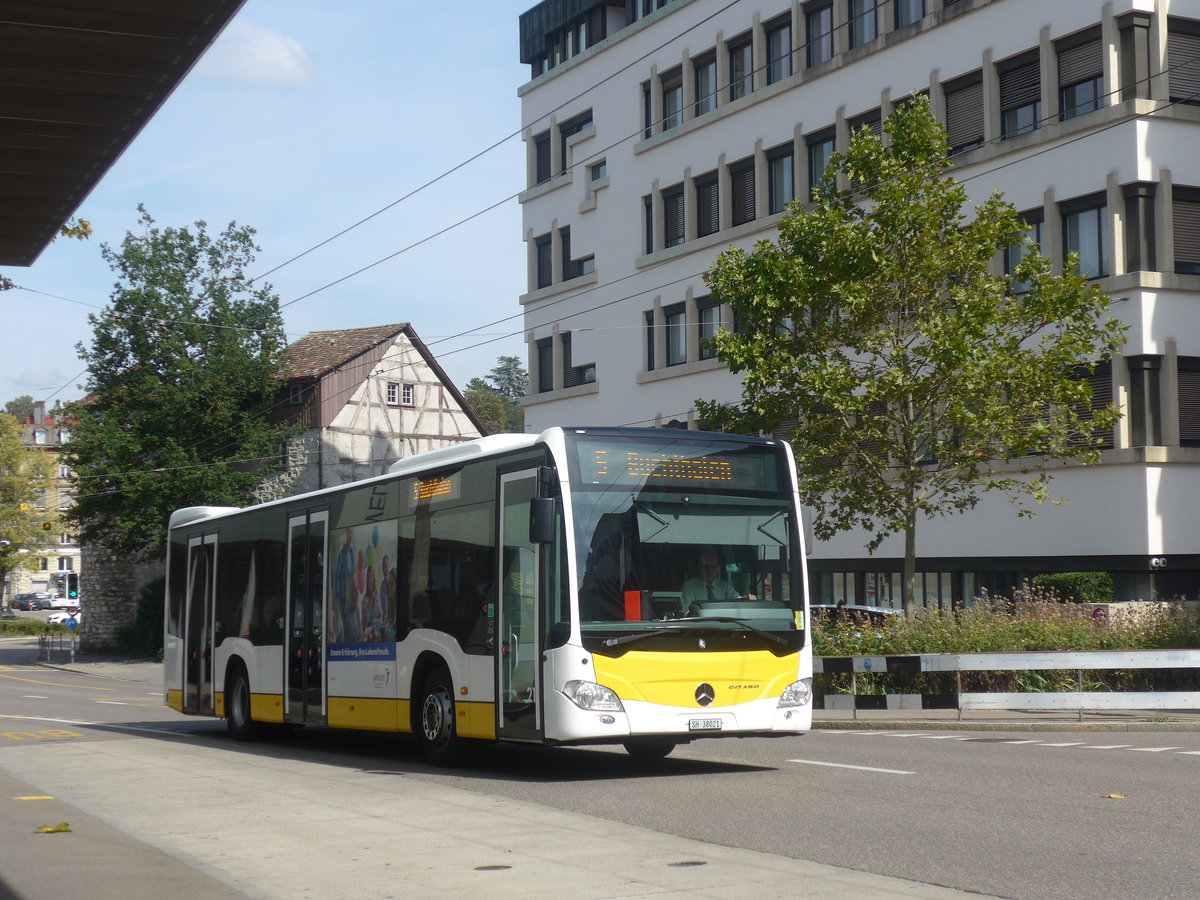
[
  {"x": 1033, "y": 620},
  {"x": 1078, "y": 587},
  {"x": 144, "y": 636}
]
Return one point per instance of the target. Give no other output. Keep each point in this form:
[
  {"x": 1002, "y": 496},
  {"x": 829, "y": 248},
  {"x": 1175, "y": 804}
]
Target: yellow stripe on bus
[
  {"x": 266, "y": 707},
  {"x": 476, "y": 720},
  {"x": 671, "y": 679},
  {"x": 175, "y": 699}
]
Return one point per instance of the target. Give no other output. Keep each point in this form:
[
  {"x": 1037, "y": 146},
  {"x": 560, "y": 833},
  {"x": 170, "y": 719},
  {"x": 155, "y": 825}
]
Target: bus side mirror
[{"x": 541, "y": 520}]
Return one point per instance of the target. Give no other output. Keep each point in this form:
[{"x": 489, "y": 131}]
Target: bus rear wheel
[
  {"x": 237, "y": 706},
  {"x": 436, "y": 723},
  {"x": 650, "y": 748}
]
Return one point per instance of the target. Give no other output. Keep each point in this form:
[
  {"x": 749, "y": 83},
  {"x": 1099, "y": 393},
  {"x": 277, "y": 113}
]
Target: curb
[{"x": 917, "y": 725}]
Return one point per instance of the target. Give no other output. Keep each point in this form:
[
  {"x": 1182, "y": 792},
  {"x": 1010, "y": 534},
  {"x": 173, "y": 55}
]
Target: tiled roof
[{"x": 319, "y": 351}]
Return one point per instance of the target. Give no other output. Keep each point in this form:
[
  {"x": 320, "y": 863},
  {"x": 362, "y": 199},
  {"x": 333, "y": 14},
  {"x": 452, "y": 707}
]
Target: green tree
[
  {"x": 507, "y": 383},
  {"x": 909, "y": 377},
  {"x": 19, "y": 407},
  {"x": 182, "y": 370},
  {"x": 24, "y": 472}
]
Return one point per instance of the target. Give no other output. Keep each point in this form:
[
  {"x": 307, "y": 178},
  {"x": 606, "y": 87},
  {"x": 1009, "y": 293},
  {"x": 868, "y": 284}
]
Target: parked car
[
  {"x": 871, "y": 615},
  {"x": 60, "y": 618},
  {"x": 61, "y": 602},
  {"x": 32, "y": 601}
]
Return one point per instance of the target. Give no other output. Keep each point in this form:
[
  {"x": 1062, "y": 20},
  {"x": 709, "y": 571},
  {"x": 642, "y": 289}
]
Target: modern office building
[{"x": 659, "y": 133}]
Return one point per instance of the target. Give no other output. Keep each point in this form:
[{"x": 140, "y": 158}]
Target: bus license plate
[{"x": 704, "y": 725}]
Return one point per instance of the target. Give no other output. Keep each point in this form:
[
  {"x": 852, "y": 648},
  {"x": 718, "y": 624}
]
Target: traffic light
[{"x": 73, "y": 585}]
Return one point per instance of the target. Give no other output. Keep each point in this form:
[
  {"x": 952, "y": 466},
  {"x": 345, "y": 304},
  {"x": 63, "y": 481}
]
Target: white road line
[
  {"x": 1108, "y": 747},
  {"x": 1020, "y": 742},
  {"x": 944, "y": 737},
  {"x": 35, "y": 697},
  {"x": 903, "y": 733},
  {"x": 1154, "y": 749},
  {"x": 1189, "y": 752},
  {"x": 1065, "y": 744},
  {"x": 816, "y": 762},
  {"x": 111, "y": 702}
]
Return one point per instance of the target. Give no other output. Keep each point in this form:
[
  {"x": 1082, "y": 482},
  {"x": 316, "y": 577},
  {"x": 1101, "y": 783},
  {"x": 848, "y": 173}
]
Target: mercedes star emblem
[{"x": 705, "y": 694}]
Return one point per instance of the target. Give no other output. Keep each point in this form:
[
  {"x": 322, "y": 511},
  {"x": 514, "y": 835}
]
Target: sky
[{"x": 303, "y": 118}]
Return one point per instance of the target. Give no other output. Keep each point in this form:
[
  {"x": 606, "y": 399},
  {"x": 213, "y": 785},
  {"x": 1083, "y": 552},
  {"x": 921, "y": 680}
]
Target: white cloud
[{"x": 248, "y": 53}]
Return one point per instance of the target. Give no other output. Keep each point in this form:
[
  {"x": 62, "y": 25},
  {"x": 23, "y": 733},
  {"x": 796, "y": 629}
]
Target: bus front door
[
  {"x": 305, "y": 673},
  {"x": 519, "y": 675},
  {"x": 198, "y": 625}
]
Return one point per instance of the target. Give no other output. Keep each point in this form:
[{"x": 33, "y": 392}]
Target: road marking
[
  {"x": 43, "y": 797},
  {"x": 36, "y": 697},
  {"x": 944, "y": 737},
  {"x": 1108, "y": 747},
  {"x": 57, "y": 684},
  {"x": 816, "y": 762},
  {"x": 1189, "y": 752},
  {"x": 1020, "y": 742},
  {"x": 1154, "y": 749},
  {"x": 112, "y": 702},
  {"x": 103, "y": 725},
  {"x": 1064, "y": 744}
]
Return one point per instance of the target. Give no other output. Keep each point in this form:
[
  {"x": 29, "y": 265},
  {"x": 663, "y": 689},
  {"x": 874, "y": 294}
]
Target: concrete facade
[{"x": 658, "y": 134}]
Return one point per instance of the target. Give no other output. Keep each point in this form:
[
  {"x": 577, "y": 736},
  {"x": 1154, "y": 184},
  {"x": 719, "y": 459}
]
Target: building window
[
  {"x": 541, "y": 153},
  {"x": 1016, "y": 252},
  {"x": 649, "y": 317},
  {"x": 406, "y": 395},
  {"x": 39, "y": 435},
  {"x": 673, "y": 224},
  {"x": 741, "y": 185},
  {"x": 1020, "y": 95},
  {"x": 648, "y": 222},
  {"x": 872, "y": 121},
  {"x": 544, "y": 250},
  {"x": 707, "y": 205},
  {"x": 1183, "y": 59},
  {"x": 1145, "y": 403},
  {"x": 568, "y": 130},
  {"x": 545, "y": 358},
  {"x": 1099, "y": 378},
  {"x": 820, "y": 152},
  {"x": 864, "y": 21},
  {"x": 572, "y": 374},
  {"x": 782, "y": 186},
  {"x": 45, "y": 564},
  {"x": 1185, "y": 218},
  {"x": 599, "y": 170},
  {"x": 296, "y": 394},
  {"x": 64, "y": 564},
  {"x": 705, "y": 73},
  {"x": 779, "y": 49},
  {"x": 964, "y": 112},
  {"x": 818, "y": 28},
  {"x": 708, "y": 313},
  {"x": 64, "y": 436},
  {"x": 1189, "y": 401},
  {"x": 672, "y": 98},
  {"x": 64, "y": 472},
  {"x": 676, "y": 324},
  {"x": 1081, "y": 75},
  {"x": 909, "y": 11},
  {"x": 393, "y": 393},
  {"x": 1085, "y": 232},
  {"x": 574, "y": 268},
  {"x": 647, "y": 111},
  {"x": 741, "y": 68}
]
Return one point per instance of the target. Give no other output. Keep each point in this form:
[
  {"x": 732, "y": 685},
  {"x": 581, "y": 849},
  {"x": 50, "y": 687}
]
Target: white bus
[{"x": 533, "y": 588}]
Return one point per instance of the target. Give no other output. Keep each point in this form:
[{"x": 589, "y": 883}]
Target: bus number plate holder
[{"x": 704, "y": 724}]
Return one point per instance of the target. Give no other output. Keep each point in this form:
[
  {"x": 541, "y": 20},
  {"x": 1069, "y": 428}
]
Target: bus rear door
[
  {"x": 519, "y": 676},
  {"x": 305, "y": 672}
]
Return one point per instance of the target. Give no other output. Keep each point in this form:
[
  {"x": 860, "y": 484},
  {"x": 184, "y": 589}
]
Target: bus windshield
[{"x": 674, "y": 536}]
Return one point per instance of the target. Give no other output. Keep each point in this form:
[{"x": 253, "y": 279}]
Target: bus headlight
[
  {"x": 588, "y": 695},
  {"x": 798, "y": 693}
]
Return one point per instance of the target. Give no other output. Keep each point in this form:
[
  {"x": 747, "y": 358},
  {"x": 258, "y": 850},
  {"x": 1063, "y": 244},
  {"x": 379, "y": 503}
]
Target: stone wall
[{"x": 110, "y": 596}]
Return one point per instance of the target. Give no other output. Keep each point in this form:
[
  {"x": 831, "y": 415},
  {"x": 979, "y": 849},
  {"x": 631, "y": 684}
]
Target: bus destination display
[{"x": 609, "y": 463}]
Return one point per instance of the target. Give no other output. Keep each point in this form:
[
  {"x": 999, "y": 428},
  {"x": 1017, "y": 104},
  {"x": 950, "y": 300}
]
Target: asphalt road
[{"x": 1045, "y": 815}]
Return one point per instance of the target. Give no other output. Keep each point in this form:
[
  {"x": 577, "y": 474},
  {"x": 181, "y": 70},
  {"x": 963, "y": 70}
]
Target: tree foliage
[
  {"x": 496, "y": 398},
  {"x": 182, "y": 367},
  {"x": 19, "y": 407},
  {"x": 909, "y": 376},
  {"x": 24, "y": 472}
]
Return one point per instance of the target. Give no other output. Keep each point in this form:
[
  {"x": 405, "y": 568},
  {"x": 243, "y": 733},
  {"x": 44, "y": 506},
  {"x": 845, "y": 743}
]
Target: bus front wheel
[
  {"x": 650, "y": 748},
  {"x": 437, "y": 731}
]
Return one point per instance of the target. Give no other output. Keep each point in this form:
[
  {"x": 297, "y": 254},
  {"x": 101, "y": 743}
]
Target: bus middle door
[
  {"x": 305, "y": 673},
  {"x": 519, "y": 676}
]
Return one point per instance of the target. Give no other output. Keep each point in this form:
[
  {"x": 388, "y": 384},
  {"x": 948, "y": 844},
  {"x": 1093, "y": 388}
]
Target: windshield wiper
[
  {"x": 630, "y": 638},
  {"x": 656, "y": 632},
  {"x": 766, "y": 635}
]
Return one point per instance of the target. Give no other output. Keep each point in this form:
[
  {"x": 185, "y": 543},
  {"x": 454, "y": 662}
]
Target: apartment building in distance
[{"x": 660, "y": 132}]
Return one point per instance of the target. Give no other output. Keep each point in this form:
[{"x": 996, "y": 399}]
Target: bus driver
[{"x": 706, "y": 586}]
